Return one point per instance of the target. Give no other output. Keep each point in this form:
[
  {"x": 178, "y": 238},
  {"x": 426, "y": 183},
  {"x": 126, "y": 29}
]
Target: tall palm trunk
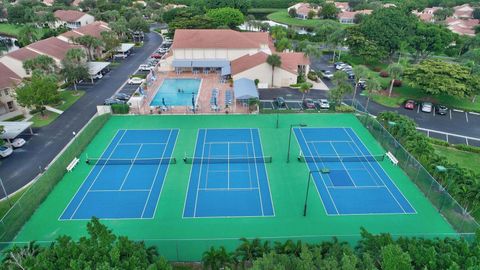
[
  {"x": 366, "y": 104},
  {"x": 391, "y": 87},
  {"x": 355, "y": 91},
  {"x": 273, "y": 72}
]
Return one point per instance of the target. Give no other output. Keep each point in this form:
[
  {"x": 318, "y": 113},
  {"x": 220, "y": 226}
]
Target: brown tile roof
[
  {"x": 290, "y": 61},
  {"x": 94, "y": 29},
  {"x": 351, "y": 14},
  {"x": 426, "y": 17},
  {"x": 8, "y": 78},
  {"x": 218, "y": 38},
  {"x": 462, "y": 27},
  {"x": 463, "y": 11},
  {"x": 52, "y": 47},
  {"x": 342, "y": 5},
  {"x": 75, "y": 3},
  {"x": 23, "y": 54},
  {"x": 68, "y": 15}
]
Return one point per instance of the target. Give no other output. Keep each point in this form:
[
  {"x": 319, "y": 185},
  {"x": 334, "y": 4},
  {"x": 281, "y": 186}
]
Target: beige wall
[
  {"x": 15, "y": 65},
  {"x": 211, "y": 53},
  {"x": 263, "y": 73}
]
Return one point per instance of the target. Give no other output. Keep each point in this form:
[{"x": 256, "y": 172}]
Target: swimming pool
[{"x": 177, "y": 92}]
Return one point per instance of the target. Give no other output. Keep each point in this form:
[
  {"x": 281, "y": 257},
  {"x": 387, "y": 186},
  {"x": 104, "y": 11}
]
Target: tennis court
[
  {"x": 228, "y": 176},
  {"x": 127, "y": 179},
  {"x": 349, "y": 179}
]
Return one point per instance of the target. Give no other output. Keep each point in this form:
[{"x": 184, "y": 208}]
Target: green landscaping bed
[
  {"x": 467, "y": 160},
  {"x": 41, "y": 121},
  {"x": 68, "y": 98},
  {"x": 14, "y": 29},
  {"x": 283, "y": 17}
]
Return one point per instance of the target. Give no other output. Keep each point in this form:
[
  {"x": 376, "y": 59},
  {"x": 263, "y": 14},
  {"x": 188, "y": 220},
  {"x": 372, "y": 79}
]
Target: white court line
[
  {"x": 200, "y": 173},
  {"x": 116, "y": 190},
  {"x": 266, "y": 174},
  {"x": 130, "y": 168},
  {"x": 318, "y": 169},
  {"x": 190, "y": 177},
  {"x": 228, "y": 189},
  {"x": 256, "y": 172},
  {"x": 96, "y": 177},
  {"x": 160, "y": 143},
  {"x": 156, "y": 174},
  {"x": 249, "y": 166},
  {"x": 357, "y": 187},
  {"x": 343, "y": 165},
  {"x": 379, "y": 175},
  {"x": 363, "y": 164}
]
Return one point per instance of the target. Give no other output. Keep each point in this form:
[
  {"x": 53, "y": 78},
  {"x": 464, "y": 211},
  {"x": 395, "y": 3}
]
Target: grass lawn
[
  {"x": 467, "y": 160},
  {"x": 283, "y": 17},
  {"x": 40, "y": 121},
  {"x": 264, "y": 10},
  {"x": 13, "y": 29},
  {"x": 68, "y": 99},
  {"x": 15, "y": 118}
]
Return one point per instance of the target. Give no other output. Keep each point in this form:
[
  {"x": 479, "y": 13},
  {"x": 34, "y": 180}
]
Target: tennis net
[
  {"x": 341, "y": 158},
  {"x": 131, "y": 161},
  {"x": 207, "y": 160}
]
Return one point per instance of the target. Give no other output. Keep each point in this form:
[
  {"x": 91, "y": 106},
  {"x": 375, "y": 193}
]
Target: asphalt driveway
[{"x": 26, "y": 163}]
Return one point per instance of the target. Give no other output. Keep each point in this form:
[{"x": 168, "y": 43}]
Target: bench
[
  {"x": 392, "y": 158},
  {"x": 72, "y": 164}
]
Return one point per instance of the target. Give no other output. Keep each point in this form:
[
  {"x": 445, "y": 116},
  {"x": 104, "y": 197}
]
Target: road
[{"x": 27, "y": 162}]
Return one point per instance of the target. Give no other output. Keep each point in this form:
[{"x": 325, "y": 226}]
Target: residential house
[
  {"x": 303, "y": 9},
  {"x": 342, "y": 6},
  {"x": 427, "y": 15},
  {"x": 95, "y": 30},
  {"x": 348, "y": 17},
  {"x": 72, "y": 19},
  {"x": 8, "y": 105},
  {"x": 462, "y": 26},
  {"x": 389, "y": 5},
  {"x": 464, "y": 11},
  {"x": 238, "y": 54}
]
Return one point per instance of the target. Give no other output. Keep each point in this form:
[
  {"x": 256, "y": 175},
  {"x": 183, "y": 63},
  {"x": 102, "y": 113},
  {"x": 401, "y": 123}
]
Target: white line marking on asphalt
[
  {"x": 450, "y": 111},
  {"x": 466, "y": 116},
  {"x": 456, "y": 110}
]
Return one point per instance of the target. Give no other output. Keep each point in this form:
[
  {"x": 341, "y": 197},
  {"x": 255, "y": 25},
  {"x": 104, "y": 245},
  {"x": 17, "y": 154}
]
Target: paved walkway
[
  {"x": 26, "y": 162},
  {"x": 51, "y": 109}
]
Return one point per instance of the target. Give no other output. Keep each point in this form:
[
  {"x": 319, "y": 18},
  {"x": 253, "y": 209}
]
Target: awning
[
  {"x": 13, "y": 129},
  {"x": 210, "y": 63},
  {"x": 245, "y": 89},
  {"x": 226, "y": 70},
  {"x": 181, "y": 63},
  {"x": 96, "y": 67},
  {"x": 224, "y": 64},
  {"x": 125, "y": 47}
]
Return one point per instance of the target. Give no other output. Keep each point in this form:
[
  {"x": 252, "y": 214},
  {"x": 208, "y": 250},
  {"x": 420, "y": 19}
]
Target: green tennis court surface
[{"x": 184, "y": 239}]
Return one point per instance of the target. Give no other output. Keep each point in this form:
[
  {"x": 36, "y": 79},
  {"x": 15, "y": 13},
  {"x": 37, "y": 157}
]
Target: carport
[
  {"x": 95, "y": 67},
  {"x": 245, "y": 89},
  {"x": 13, "y": 129},
  {"x": 125, "y": 48}
]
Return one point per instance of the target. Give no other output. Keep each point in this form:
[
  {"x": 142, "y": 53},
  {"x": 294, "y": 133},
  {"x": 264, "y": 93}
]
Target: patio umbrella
[
  {"x": 163, "y": 101},
  {"x": 193, "y": 100},
  {"x": 215, "y": 101}
]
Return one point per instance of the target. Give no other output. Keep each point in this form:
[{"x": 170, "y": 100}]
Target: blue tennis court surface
[
  {"x": 228, "y": 176},
  {"x": 357, "y": 184},
  {"x": 128, "y": 183}
]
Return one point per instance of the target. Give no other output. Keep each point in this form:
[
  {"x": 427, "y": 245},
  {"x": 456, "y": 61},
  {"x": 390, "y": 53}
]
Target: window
[{"x": 10, "y": 105}]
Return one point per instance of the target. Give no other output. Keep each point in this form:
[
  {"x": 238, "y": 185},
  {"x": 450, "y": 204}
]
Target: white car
[
  {"x": 5, "y": 151},
  {"x": 327, "y": 74},
  {"x": 324, "y": 104},
  {"x": 18, "y": 142},
  {"x": 145, "y": 67},
  {"x": 97, "y": 76},
  {"x": 136, "y": 80},
  {"x": 427, "y": 107}
]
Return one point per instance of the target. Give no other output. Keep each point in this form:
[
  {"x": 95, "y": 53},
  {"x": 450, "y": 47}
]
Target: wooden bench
[
  {"x": 392, "y": 158},
  {"x": 72, "y": 164}
]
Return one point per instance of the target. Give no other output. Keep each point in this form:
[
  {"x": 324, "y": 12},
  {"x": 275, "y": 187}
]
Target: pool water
[{"x": 169, "y": 92}]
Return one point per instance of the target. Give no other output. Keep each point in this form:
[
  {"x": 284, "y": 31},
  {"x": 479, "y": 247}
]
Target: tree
[
  {"x": 335, "y": 39},
  {"x": 27, "y": 35},
  {"x": 274, "y": 60},
  {"x": 305, "y": 88},
  {"x": 328, "y": 11},
  {"x": 91, "y": 43},
  {"x": 394, "y": 258},
  {"x": 226, "y": 16},
  {"x": 138, "y": 24},
  {"x": 74, "y": 66},
  {"x": 120, "y": 28},
  {"x": 361, "y": 73},
  {"x": 39, "y": 91},
  {"x": 342, "y": 87},
  {"x": 439, "y": 77},
  {"x": 283, "y": 44},
  {"x": 361, "y": 46},
  {"x": 429, "y": 38},
  {"x": 372, "y": 85},
  {"x": 311, "y": 14},
  {"x": 216, "y": 259},
  {"x": 19, "y": 14},
  {"x": 395, "y": 70},
  {"x": 242, "y": 5},
  {"x": 476, "y": 13},
  {"x": 442, "y": 14},
  {"x": 110, "y": 41},
  {"x": 21, "y": 257},
  {"x": 248, "y": 251},
  {"x": 278, "y": 32},
  {"x": 42, "y": 63},
  {"x": 292, "y": 12}
]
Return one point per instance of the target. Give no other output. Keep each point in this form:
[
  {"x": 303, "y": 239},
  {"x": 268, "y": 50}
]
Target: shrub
[
  {"x": 383, "y": 74},
  {"x": 397, "y": 83},
  {"x": 301, "y": 79},
  {"x": 344, "y": 108},
  {"x": 120, "y": 108},
  {"x": 256, "y": 82},
  {"x": 377, "y": 69},
  {"x": 312, "y": 76}
]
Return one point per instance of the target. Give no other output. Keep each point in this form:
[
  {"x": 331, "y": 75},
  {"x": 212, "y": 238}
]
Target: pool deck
[{"x": 209, "y": 82}]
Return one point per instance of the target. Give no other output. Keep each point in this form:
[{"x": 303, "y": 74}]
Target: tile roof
[
  {"x": 52, "y": 47},
  {"x": 218, "y": 38},
  {"x": 68, "y": 15},
  {"x": 23, "y": 54},
  {"x": 463, "y": 11},
  {"x": 290, "y": 61},
  {"x": 94, "y": 29},
  {"x": 8, "y": 78},
  {"x": 462, "y": 27},
  {"x": 351, "y": 14},
  {"x": 342, "y": 5}
]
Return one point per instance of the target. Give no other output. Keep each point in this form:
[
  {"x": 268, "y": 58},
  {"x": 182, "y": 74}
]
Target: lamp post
[
  {"x": 74, "y": 142},
  {"x": 290, "y": 138},
  {"x": 306, "y": 193}
]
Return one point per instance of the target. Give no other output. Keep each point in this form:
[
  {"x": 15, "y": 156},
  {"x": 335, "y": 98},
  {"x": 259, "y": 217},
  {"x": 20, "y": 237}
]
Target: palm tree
[
  {"x": 74, "y": 66},
  {"x": 360, "y": 72},
  {"x": 339, "y": 77},
  {"x": 216, "y": 259},
  {"x": 371, "y": 86},
  {"x": 110, "y": 41},
  {"x": 248, "y": 251},
  {"x": 334, "y": 39},
  {"x": 305, "y": 88},
  {"x": 91, "y": 43},
  {"x": 18, "y": 257},
  {"x": 27, "y": 35},
  {"x": 395, "y": 70},
  {"x": 42, "y": 63},
  {"x": 275, "y": 61}
]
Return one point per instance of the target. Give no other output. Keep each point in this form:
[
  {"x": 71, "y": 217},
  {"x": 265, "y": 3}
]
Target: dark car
[
  {"x": 111, "y": 101},
  {"x": 441, "y": 110},
  {"x": 121, "y": 96},
  {"x": 279, "y": 101},
  {"x": 409, "y": 104},
  {"x": 308, "y": 103},
  {"x": 351, "y": 75}
]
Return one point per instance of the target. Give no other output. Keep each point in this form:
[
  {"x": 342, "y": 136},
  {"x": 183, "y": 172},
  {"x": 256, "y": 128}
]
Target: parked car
[
  {"x": 324, "y": 104},
  {"x": 350, "y": 74},
  {"x": 121, "y": 96},
  {"x": 145, "y": 67},
  {"x": 362, "y": 83},
  {"x": 18, "y": 142},
  {"x": 5, "y": 151},
  {"x": 163, "y": 50},
  {"x": 136, "y": 80},
  {"x": 441, "y": 110},
  {"x": 111, "y": 101},
  {"x": 156, "y": 56},
  {"x": 327, "y": 74},
  {"x": 120, "y": 55},
  {"x": 340, "y": 66},
  {"x": 409, "y": 104},
  {"x": 280, "y": 101},
  {"x": 308, "y": 103},
  {"x": 427, "y": 107},
  {"x": 97, "y": 76}
]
